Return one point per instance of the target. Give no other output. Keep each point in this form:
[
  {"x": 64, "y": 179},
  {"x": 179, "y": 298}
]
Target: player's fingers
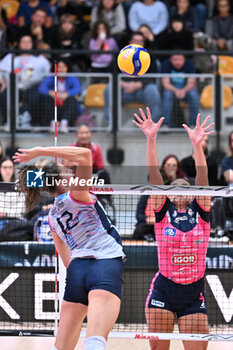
[
  {"x": 160, "y": 122},
  {"x": 139, "y": 125},
  {"x": 17, "y": 154},
  {"x": 205, "y": 121},
  {"x": 142, "y": 114},
  {"x": 210, "y": 132},
  {"x": 148, "y": 113},
  {"x": 138, "y": 118},
  {"x": 186, "y": 127},
  {"x": 22, "y": 150},
  {"x": 198, "y": 119},
  {"x": 209, "y": 126}
]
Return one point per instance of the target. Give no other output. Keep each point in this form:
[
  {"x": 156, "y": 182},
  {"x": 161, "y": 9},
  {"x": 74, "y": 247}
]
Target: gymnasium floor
[{"x": 45, "y": 343}]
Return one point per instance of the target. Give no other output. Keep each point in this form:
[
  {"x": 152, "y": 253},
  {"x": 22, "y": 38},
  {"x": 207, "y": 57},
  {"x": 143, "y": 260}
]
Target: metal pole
[
  {"x": 12, "y": 105},
  {"x": 218, "y": 107}
]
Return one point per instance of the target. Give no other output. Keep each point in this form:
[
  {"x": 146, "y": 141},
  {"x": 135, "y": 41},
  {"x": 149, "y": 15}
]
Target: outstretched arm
[
  {"x": 150, "y": 129},
  {"x": 197, "y": 138},
  {"x": 79, "y": 156}
]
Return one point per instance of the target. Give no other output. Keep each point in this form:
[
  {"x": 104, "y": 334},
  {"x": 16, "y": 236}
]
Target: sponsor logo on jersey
[
  {"x": 190, "y": 212},
  {"x": 203, "y": 306},
  {"x": 199, "y": 241},
  {"x": 180, "y": 218},
  {"x": 169, "y": 231},
  {"x": 174, "y": 214},
  {"x": 184, "y": 259},
  {"x": 157, "y": 303},
  {"x": 192, "y": 221},
  {"x": 202, "y": 298},
  {"x": 57, "y": 207}
]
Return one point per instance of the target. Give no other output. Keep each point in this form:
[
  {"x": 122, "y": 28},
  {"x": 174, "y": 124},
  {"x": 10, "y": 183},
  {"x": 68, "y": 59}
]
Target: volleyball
[{"x": 134, "y": 60}]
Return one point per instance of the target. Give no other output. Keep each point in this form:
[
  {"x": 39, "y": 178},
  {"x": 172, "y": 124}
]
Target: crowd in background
[
  {"x": 15, "y": 224},
  {"x": 71, "y": 24},
  {"x": 107, "y": 25}
]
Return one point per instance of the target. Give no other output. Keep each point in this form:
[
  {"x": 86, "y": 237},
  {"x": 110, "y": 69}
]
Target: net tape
[{"x": 213, "y": 191}]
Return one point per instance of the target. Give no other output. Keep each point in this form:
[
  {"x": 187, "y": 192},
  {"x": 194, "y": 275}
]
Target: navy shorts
[
  {"x": 181, "y": 299},
  {"x": 84, "y": 275}
]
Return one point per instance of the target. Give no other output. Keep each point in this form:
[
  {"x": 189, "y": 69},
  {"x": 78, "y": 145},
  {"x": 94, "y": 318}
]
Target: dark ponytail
[{"x": 34, "y": 195}]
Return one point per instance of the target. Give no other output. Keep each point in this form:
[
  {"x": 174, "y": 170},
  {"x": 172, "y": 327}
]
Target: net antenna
[{"x": 55, "y": 145}]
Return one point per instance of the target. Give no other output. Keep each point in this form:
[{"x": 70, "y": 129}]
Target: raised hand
[
  {"x": 25, "y": 155},
  {"x": 198, "y": 134},
  {"x": 146, "y": 124}
]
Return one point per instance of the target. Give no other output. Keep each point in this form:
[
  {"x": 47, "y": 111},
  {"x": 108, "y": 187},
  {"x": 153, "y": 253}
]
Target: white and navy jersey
[{"x": 85, "y": 228}]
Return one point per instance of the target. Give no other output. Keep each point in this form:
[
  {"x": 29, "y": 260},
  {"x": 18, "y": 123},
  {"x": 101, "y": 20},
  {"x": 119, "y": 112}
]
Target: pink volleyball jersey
[{"x": 182, "y": 239}]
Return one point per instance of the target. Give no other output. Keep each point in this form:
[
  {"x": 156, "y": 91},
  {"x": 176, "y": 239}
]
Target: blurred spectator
[
  {"x": 84, "y": 139},
  {"x": 68, "y": 35},
  {"x": 151, "y": 40},
  {"x": 144, "y": 229},
  {"x": 7, "y": 170},
  {"x": 215, "y": 8},
  {"x": 150, "y": 12},
  {"x": 101, "y": 40},
  {"x": 26, "y": 9},
  {"x": 179, "y": 87},
  {"x": 200, "y": 9},
  {"x": 111, "y": 12},
  {"x": 227, "y": 163},
  {"x": 185, "y": 10},
  {"x": 79, "y": 9},
  {"x": 223, "y": 26},
  {"x": 176, "y": 36},
  {"x": 188, "y": 165},
  {"x": 171, "y": 169},
  {"x": 138, "y": 90},
  {"x": 68, "y": 89},
  {"x": 30, "y": 70},
  {"x": 37, "y": 29}
]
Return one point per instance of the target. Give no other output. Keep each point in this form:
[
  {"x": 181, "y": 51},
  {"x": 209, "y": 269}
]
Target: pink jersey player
[
  {"x": 182, "y": 239},
  {"x": 182, "y": 230}
]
